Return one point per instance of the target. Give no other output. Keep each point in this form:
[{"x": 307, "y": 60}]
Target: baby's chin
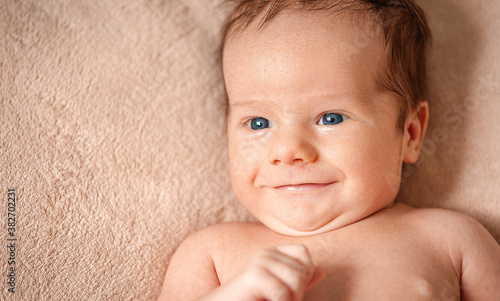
[
  {"x": 290, "y": 229},
  {"x": 297, "y": 228}
]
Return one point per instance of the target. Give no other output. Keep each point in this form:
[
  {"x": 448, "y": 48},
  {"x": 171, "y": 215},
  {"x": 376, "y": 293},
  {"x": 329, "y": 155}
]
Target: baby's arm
[
  {"x": 480, "y": 279},
  {"x": 191, "y": 272},
  {"x": 281, "y": 273}
]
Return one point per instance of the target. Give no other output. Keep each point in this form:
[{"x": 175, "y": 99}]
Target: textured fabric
[{"x": 112, "y": 133}]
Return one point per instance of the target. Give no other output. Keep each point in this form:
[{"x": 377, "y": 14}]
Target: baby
[{"x": 326, "y": 104}]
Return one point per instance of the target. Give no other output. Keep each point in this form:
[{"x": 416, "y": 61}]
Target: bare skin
[
  {"x": 316, "y": 157},
  {"x": 399, "y": 253}
]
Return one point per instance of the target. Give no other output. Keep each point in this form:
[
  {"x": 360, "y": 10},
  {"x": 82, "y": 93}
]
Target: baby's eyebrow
[
  {"x": 239, "y": 104},
  {"x": 249, "y": 105},
  {"x": 245, "y": 103},
  {"x": 327, "y": 100},
  {"x": 313, "y": 97},
  {"x": 243, "y": 106}
]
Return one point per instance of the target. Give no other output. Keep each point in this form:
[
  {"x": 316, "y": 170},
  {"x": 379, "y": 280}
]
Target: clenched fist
[{"x": 282, "y": 273}]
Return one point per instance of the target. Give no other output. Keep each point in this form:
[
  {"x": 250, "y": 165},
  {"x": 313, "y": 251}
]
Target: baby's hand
[{"x": 281, "y": 273}]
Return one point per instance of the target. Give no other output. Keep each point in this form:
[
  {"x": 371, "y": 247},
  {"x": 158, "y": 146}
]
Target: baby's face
[{"x": 313, "y": 144}]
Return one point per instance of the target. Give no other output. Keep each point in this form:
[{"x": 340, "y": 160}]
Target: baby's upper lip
[{"x": 305, "y": 183}]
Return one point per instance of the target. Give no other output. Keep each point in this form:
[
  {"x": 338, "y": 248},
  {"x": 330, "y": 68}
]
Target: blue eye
[
  {"x": 332, "y": 119},
  {"x": 259, "y": 123}
]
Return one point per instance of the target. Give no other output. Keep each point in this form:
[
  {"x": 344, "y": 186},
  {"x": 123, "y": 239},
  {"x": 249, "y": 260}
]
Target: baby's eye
[
  {"x": 259, "y": 123},
  {"x": 332, "y": 119}
]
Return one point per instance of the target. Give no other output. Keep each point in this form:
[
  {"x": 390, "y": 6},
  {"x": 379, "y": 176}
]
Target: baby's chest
[
  {"x": 384, "y": 274},
  {"x": 368, "y": 271}
]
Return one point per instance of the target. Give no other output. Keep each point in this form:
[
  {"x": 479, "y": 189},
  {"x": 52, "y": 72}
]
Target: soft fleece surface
[{"x": 112, "y": 132}]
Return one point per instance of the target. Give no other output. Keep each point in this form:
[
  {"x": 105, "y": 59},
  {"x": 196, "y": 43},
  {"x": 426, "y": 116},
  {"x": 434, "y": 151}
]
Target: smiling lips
[{"x": 303, "y": 187}]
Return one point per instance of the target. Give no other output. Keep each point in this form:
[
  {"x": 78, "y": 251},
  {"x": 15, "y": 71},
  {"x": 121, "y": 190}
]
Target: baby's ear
[{"x": 414, "y": 132}]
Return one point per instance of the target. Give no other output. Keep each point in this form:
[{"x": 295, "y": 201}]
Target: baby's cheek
[
  {"x": 374, "y": 175},
  {"x": 245, "y": 155},
  {"x": 388, "y": 178}
]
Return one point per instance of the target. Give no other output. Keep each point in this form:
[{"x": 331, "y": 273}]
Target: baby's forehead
[
  {"x": 311, "y": 36},
  {"x": 352, "y": 33},
  {"x": 361, "y": 21}
]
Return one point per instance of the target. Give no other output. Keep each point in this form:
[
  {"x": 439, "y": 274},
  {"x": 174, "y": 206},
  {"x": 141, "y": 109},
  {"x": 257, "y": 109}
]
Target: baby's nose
[{"x": 292, "y": 147}]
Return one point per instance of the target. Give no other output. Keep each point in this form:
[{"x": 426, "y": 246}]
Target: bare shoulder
[
  {"x": 206, "y": 242},
  {"x": 456, "y": 229},
  {"x": 211, "y": 238},
  {"x": 474, "y": 252},
  {"x": 456, "y": 225},
  {"x": 192, "y": 265}
]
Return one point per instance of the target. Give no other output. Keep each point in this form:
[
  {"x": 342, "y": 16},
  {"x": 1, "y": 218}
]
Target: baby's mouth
[{"x": 303, "y": 187}]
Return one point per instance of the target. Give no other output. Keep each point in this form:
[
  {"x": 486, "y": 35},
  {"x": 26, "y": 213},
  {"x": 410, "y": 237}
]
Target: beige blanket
[{"x": 112, "y": 137}]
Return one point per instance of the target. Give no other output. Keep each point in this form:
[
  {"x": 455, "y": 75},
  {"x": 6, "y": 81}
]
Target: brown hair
[{"x": 407, "y": 38}]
